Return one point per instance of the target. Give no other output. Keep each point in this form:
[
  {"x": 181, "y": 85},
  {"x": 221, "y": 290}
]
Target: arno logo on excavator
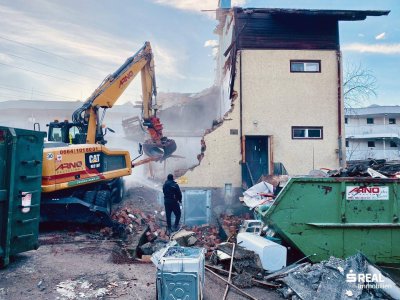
[
  {"x": 68, "y": 166},
  {"x": 125, "y": 79}
]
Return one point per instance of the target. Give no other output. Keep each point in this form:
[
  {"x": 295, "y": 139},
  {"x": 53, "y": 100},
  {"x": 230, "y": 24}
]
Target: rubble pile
[
  {"x": 230, "y": 224},
  {"x": 207, "y": 237},
  {"x": 245, "y": 262},
  {"x": 382, "y": 168},
  {"x": 141, "y": 234},
  {"x": 329, "y": 280}
]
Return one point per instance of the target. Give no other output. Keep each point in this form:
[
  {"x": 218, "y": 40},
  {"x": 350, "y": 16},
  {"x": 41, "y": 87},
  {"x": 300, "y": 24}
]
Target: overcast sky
[{"x": 62, "y": 50}]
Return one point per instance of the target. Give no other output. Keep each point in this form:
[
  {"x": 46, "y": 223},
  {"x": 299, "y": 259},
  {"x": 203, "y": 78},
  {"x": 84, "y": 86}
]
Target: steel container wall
[
  {"x": 339, "y": 217},
  {"x": 21, "y": 155}
]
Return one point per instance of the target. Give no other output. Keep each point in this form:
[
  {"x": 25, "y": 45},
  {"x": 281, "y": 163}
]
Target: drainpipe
[
  {"x": 242, "y": 138},
  {"x": 339, "y": 109}
]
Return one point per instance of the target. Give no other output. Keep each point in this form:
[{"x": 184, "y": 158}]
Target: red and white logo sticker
[{"x": 367, "y": 193}]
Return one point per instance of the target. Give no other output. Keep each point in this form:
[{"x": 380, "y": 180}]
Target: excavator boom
[{"x": 111, "y": 89}]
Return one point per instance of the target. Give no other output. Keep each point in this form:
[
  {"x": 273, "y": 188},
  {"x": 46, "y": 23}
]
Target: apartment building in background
[{"x": 373, "y": 132}]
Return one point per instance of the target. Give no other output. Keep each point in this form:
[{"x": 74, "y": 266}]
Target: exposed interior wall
[
  {"x": 274, "y": 100},
  {"x": 221, "y": 162}
]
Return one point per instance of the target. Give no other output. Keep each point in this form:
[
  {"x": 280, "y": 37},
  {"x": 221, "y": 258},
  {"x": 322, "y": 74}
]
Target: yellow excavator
[{"x": 82, "y": 178}]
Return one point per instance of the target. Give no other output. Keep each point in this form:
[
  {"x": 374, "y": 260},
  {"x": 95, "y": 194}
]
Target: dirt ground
[{"x": 76, "y": 262}]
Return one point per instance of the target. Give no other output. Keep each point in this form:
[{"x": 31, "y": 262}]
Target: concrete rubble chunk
[{"x": 182, "y": 237}]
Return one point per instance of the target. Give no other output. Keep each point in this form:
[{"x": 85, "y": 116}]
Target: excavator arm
[{"x": 112, "y": 87}]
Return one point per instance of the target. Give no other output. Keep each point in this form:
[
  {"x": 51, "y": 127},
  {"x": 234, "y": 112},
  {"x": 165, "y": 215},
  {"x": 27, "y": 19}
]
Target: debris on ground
[
  {"x": 243, "y": 260},
  {"x": 337, "y": 279},
  {"x": 230, "y": 225},
  {"x": 185, "y": 238},
  {"x": 80, "y": 289}
]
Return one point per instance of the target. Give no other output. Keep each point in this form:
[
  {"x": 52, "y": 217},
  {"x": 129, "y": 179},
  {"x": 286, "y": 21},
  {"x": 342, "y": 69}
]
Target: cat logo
[{"x": 94, "y": 158}]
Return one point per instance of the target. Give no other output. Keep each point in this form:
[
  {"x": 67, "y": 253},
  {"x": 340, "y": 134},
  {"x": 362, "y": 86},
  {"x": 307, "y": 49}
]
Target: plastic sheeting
[{"x": 253, "y": 196}]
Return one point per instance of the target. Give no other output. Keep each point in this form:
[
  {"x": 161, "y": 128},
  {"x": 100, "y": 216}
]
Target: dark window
[
  {"x": 347, "y": 144},
  {"x": 371, "y": 144},
  {"x": 393, "y": 144},
  {"x": 300, "y": 132},
  {"x": 305, "y": 66},
  {"x": 392, "y": 121},
  {"x": 370, "y": 120},
  {"x": 345, "y": 120},
  {"x": 234, "y": 131}
]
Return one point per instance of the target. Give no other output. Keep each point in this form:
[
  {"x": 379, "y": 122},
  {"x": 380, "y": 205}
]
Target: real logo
[{"x": 364, "y": 277}]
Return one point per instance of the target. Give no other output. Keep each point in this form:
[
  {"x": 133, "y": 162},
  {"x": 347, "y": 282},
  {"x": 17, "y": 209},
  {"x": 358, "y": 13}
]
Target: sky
[{"x": 62, "y": 50}]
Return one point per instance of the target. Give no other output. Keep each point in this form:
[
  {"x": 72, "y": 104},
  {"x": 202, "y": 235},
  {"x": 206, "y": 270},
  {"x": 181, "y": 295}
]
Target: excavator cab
[{"x": 66, "y": 132}]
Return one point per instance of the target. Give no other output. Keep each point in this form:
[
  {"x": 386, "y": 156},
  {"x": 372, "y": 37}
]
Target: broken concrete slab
[
  {"x": 185, "y": 238},
  {"x": 244, "y": 260}
]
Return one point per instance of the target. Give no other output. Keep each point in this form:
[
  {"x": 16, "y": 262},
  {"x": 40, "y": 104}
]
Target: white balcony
[
  {"x": 372, "y": 131},
  {"x": 355, "y": 154}
]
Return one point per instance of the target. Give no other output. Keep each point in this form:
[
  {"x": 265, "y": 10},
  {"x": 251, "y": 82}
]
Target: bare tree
[{"x": 359, "y": 86}]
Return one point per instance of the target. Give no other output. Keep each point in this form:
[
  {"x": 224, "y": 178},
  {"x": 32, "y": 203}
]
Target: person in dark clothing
[{"x": 172, "y": 201}]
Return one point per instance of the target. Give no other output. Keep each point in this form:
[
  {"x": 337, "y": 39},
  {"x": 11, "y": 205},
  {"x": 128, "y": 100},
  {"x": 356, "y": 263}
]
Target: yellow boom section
[{"x": 115, "y": 84}]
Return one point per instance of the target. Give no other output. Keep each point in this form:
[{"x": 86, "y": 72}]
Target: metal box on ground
[
  {"x": 21, "y": 155},
  {"x": 180, "y": 274},
  {"x": 339, "y": 217}
]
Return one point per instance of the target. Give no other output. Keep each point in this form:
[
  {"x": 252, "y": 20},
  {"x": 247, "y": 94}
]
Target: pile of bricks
[
  {"x": 231, "y": 224},
  {"x": 135, "y": 228},
  {"x": 207, "y": 237}
]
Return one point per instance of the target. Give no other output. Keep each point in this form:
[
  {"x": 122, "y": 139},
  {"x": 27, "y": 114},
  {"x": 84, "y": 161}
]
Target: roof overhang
[{"x": 340, "y": 15}]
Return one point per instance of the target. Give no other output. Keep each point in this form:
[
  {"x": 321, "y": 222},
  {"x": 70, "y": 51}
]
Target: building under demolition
[{"x": 280, "y": 77}]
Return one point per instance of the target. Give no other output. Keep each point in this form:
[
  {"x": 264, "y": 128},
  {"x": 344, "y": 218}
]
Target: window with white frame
[
  {"x": 307, "y": 132},
  {"x": 305, "y": 66}
]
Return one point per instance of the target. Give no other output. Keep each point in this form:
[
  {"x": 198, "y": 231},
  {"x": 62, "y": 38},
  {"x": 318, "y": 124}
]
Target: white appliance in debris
[
  {"x": 272, "y": 255},
  {"x": 252, "y": 226}
]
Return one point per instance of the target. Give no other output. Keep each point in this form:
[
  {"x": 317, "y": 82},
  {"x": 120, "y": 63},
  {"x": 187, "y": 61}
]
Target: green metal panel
[
  {"x": 21, "y": 154},
  {"x": 339, "y": 216}
]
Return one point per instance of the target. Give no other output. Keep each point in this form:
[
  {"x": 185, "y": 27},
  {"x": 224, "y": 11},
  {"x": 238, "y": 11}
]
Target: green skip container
[
  {"x": 21, "y": 154},
  {"x": 339, "y": 217}
]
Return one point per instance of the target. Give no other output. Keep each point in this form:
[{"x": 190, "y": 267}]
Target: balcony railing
[
  {"x": 356, "y": 130},
  {"x": 352, "y": 154}
]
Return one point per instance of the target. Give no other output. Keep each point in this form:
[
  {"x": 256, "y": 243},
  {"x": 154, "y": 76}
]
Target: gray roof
[
  {"x": 340, "y": 15},
  {"x": 373, "y": 110}
]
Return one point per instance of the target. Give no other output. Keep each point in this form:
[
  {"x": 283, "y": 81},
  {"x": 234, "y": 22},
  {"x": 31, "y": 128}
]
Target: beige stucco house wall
[{"x": 274, "y": 100}]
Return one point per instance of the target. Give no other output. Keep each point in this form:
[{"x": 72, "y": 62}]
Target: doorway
[{"x": 256, "y": 162}]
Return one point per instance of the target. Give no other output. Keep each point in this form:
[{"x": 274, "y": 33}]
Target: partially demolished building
[{"x": 280, "y": 76}]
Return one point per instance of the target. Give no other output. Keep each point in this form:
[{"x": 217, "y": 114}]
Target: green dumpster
[
  {"x": 21, "y": 153},
  {"x": 339, "y": 217}
]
